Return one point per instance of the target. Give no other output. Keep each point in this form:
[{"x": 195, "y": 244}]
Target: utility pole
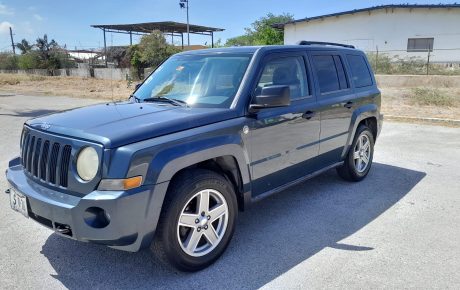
[
  {"x": 12, "y": 41},
  {"x": 184, "y": 4}
]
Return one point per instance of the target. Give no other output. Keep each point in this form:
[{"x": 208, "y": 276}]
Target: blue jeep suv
[{"x": 205, "y": 135}]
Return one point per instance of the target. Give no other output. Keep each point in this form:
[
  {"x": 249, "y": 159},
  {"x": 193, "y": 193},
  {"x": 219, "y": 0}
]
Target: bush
[
  {"x": 8, "y": 61},
  {"x": 29, "y": 60}
]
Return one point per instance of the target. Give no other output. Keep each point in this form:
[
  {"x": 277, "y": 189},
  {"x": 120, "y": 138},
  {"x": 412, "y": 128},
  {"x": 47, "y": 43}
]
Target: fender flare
[{"x": 362, "y": 113}]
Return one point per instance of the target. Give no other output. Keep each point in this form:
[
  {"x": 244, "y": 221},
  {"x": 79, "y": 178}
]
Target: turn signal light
[{"x": 120, "y": 184}]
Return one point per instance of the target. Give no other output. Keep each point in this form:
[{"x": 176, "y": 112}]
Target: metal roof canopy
[
  {"x": 389, "y": 6},
  {"x": 166, "y": 27}
]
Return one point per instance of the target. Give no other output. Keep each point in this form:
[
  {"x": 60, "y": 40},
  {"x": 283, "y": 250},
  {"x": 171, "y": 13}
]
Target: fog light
[{"x": 96, "y": 217}]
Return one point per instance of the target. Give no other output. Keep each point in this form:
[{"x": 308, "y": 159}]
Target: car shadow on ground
[
  {"x": 30, "y": 114},
  {"x": 272, "y": 237}
]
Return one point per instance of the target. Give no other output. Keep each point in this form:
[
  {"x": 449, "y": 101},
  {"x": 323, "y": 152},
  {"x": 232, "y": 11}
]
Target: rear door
[
  {"x": 281, "y": 139},
  {"x": 335, "y": 99}
]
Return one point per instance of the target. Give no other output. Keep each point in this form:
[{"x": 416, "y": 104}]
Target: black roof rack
[{"x": 304, "y": 42}]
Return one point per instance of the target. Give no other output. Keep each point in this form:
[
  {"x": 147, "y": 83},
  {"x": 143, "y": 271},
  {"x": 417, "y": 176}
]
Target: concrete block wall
[
  {"x": 98, "y": 73},
  {"x": 111, "y": 73}
]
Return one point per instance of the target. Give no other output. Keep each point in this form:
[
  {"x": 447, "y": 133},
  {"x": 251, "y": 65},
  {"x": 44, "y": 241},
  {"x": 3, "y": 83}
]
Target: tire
[
  {"x": 173, "y": 241},
  {"x": 351, "y": 170}
]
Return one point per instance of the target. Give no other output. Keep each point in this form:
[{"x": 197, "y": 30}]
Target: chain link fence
[{"x": 424, "y": 63}]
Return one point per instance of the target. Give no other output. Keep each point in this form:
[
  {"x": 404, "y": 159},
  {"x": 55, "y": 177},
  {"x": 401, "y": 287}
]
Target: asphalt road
[{"x": 399, "y": 228}]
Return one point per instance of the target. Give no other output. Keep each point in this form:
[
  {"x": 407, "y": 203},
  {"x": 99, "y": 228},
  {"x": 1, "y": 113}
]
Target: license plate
[{"x": 18, "y": 202}]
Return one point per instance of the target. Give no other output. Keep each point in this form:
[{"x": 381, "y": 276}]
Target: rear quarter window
[{"x": 361, "y": 75}]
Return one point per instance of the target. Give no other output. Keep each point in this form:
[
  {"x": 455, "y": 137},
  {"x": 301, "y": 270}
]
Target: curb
[{"x": 428, "y": 120}]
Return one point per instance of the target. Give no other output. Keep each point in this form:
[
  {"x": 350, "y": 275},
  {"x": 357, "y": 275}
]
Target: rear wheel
[
  {"x": 359, "y": 158},
  {"x": 198, "y": 220}
]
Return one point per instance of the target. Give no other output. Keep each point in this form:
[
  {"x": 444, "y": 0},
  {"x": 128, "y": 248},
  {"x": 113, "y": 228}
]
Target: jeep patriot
[{"x": 208, "y": 133}]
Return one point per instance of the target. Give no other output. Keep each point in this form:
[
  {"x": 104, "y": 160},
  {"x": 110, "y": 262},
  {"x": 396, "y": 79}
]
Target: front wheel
[
  {"x": 198, "y": 220},
  {"x": 359, "y": 158}
]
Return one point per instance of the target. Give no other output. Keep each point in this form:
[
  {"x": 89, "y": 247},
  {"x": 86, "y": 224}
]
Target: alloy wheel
[
  {"x": 362, "y": 153},
  {"x": 202, "y": 222}
]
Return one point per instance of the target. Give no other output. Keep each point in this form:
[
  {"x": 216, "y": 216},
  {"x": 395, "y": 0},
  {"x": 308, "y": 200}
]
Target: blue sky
[{"x": 68, "y": 22}]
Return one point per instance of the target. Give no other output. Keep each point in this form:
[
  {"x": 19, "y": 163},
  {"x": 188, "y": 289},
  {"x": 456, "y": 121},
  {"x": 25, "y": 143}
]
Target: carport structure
[{"x": 170, "y": 28}]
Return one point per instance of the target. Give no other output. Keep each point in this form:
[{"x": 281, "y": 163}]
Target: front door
[{"x": 281, "y": 139}]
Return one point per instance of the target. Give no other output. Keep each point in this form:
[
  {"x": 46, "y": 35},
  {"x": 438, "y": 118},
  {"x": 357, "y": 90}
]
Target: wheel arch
[
  {"x": 226, "y": 166},
  {"x": 367, "y": 115},
  {"x": 228, "y": 160}
]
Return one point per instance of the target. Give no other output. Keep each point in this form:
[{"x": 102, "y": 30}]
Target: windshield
[{"x": 198, "y": 80}]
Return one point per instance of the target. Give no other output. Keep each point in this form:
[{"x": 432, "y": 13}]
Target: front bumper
[{"x": 133, "y": 214}]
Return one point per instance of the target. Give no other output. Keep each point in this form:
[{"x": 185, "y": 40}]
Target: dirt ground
[
  {"x": 65, "y": 86},
  {"x": 396, "y": 102},
  {"x": 397, "y": 92}
]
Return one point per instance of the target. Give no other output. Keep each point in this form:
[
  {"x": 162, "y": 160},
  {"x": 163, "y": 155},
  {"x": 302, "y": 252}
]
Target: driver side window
[{"x": 288, "y": 71}]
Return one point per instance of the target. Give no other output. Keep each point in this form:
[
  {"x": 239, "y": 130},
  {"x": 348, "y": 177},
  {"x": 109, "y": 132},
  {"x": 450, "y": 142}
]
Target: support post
[
  {"x": 130, "y": 38},
  {"x": 188, "y": 27},
  {"x": 182, "y": 37},
  {"x": 212, "y": 39},
  {"x": 377, "y": 59},
  {"x": 428, "y": 63},
  {"x": 12, "y": 41},
  {"x": 105, "y": 48}
]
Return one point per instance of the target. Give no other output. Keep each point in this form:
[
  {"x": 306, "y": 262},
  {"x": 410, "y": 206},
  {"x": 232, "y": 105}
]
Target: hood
[{"x": 118, "y": 124}]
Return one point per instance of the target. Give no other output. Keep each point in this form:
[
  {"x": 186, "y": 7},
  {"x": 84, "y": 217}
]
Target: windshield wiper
[{"x": 176, "y": 102}]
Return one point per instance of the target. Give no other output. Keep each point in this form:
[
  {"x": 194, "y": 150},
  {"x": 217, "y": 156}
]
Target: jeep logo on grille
[{"x": 45, "y": 126}]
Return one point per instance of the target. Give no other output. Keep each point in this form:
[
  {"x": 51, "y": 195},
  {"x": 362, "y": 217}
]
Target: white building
[{"x": 402, "y": 30}]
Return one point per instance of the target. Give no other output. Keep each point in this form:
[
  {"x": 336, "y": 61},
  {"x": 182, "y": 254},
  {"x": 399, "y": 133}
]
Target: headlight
[{"x": 87, "y": 163}]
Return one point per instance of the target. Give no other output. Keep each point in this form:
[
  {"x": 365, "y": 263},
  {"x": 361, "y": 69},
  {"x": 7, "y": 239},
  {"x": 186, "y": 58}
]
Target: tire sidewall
[{"x": 183, "y": 193}]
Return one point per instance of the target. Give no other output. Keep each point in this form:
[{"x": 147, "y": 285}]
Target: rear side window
[
  {"x": 330, "y": 72},
  {"x": 361, "y": 74}
]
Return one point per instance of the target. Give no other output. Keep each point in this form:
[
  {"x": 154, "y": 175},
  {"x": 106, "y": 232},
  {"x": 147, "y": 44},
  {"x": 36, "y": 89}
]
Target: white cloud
[
  {"x": 38, "y": 17},
  {"x": 5, "y": 10},
  {"x": 5, "y": 27}
]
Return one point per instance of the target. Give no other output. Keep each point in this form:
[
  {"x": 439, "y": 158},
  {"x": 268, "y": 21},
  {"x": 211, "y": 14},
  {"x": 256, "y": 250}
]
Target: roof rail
[{"x": 304, "y": 42}]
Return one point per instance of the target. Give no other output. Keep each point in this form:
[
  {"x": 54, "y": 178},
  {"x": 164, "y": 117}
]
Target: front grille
[{"x": 45, "y": 159}]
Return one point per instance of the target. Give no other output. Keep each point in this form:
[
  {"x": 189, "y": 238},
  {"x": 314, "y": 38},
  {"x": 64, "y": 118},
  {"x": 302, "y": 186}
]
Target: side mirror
[
  {"x": 137, "y": 86},
  {"x": 272, "y": 97}
]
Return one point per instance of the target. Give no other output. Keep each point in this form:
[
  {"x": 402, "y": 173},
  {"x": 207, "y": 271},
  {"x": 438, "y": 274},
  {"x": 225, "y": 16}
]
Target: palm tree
[{"x": 24, "y": 46}]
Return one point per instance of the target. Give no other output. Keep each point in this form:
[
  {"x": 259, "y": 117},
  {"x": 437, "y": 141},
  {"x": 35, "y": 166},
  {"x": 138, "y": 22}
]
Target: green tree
[
  {"x": 150, "y": 52},
  {"x": 24, "y": 46},
  {"x": 242, "y": 40},
  {"x": 49, "y": 53},
  {"x": 261, "y": 31},
  {"x": 153, "y": 49}
]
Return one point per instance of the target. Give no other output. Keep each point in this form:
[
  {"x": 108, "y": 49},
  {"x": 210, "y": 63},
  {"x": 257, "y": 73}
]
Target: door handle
[
  {"x": 348, "y": 105},
  {"x": 308, "y": 115}
]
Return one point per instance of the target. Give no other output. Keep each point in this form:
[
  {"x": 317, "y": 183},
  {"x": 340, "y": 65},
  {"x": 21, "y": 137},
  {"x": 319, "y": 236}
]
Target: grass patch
[
  {"x": 9, "y": 80},
  {"x": 432, "y": 97},
  {"x": 36, "y": 78}
]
